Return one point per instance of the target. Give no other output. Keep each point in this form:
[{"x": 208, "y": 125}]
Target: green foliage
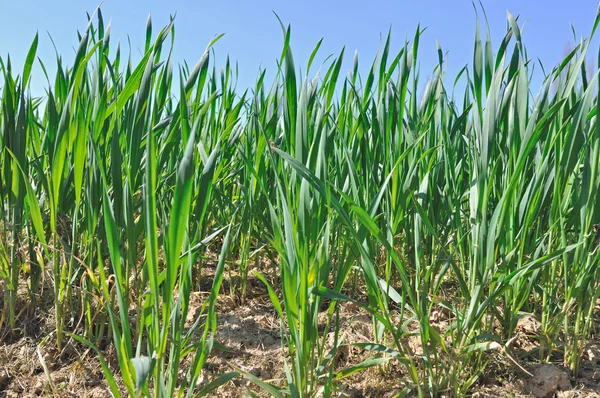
[{"x": 406, "y": 203}]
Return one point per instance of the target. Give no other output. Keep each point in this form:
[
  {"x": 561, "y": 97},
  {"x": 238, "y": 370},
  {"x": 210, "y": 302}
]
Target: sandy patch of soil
[{"x": 248, "y": 337}]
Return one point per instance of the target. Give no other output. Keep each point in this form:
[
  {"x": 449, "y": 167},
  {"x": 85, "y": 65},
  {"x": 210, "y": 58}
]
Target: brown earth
[{"x": 248, "y": 338}]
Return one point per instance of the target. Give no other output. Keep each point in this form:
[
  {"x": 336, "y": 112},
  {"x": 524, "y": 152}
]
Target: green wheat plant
[{"x": 447, "y": 208}]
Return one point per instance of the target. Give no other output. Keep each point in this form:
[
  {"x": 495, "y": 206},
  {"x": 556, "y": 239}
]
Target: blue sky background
[{"x": 253, "y": 35}]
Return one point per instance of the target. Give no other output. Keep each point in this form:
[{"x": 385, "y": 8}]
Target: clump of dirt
[{"x": 547, "y": 380}]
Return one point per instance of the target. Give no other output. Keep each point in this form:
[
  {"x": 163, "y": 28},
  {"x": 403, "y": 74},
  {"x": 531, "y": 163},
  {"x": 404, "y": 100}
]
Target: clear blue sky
[{"x": 253, "y": 35}]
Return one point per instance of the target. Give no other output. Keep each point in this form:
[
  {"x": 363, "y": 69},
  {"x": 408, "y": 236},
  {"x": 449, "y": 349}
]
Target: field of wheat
[{"x": 326, "y": 233}]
